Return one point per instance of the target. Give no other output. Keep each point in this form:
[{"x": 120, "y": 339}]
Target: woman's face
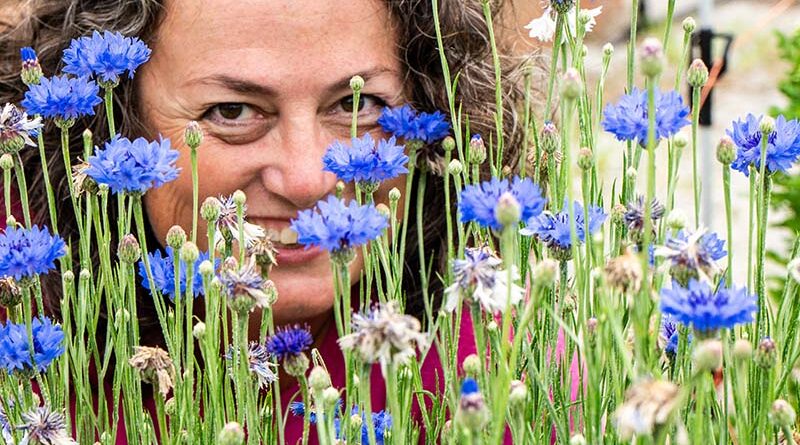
[{"x": 269, "y": 83}]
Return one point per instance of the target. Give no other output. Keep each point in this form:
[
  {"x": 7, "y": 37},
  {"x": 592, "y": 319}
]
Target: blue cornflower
[
  {"x": 554, "y": 231},
  {"x": 692, "y": 255},
  {"x": 707, "y": 309},
  {"x": 364, "y": 162},
  {"x": 163, "y": 269},
  {"x": 671, "y": 334},
  {"x": 628, "y": 119},
  {"x": 63, "y": 98},
  {"x": 289, "y": 342},
  {"x": 337, "y": 227},
  {"x": 25, "y": 253},
  {"x": 28, "y": 55},
  {"x": 133, "y": 167},
  {"x": 479, "y": 278},
  {"x": 478, "y": 202},
  {"x": 258, "y": 363},
  {"x": 31, "y": 71},
  {"x": 783, "y": 145},
  {"x": 404, "y": 122},
  {"x": 381, "y": 420},
  {"x": 15, "y": 353},
  {"x": 105, "y": 56}
]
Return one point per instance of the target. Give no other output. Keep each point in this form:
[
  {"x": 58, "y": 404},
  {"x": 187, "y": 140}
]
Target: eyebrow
[{"x": 248, "y": 87}]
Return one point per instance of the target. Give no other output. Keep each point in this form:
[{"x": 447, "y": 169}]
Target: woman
[{"x": 269, "y": 84}]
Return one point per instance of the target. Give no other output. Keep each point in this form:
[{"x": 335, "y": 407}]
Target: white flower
[
  {"x": 479, "y": 277},
  {"x": 544, "y": 27},
  {"x": 228, "y": 225}
]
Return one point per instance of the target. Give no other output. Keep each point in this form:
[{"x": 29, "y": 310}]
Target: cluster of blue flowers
[
  {"x": 336, "y": 226},
  {"x": 478, "y": 202},
  {"x": 289, "y": 342},
  {"x": 707, "y": 309},
  {"x": 406, "y": 123},
  {"x": 628, "y": 120},
  {"x": 133, "y": 166},
  {"x": 62, "y": 97},
  {"x": 554, "y": 229},
  {"x": 382, "y": 421},
  {"x": 105, "y": 56},
  {"x": 15, "y": 347},
  {"x": 783, "y": 144},
  {"x": 163, "y": 270},
  {"x": 25, "y": 253},
  {"x": 365, "y": 162}
]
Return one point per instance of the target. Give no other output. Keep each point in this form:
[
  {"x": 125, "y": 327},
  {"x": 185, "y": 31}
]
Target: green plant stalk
[
  {"x": 7, "y": 191},
  {"x": 726, "y": 187},
  {"x": 498, "y": 87},
  {"x": 765, "y": 185},
  {"x": 22, "y": 184},
  {"x": 68, "y": 171},
  {"x": 195, "y": 192},
  {"x": 751, "y": 224},
  {"x": 423, "y": 271},
  {"x": 51, "y": 201},
  {"x": 109, "y": 104},
  {"x": 366, "y": 392},
  {"x": 553, "y": 65},
  {"x": 668, "y": 24},
  {"x": 695, "y": 176},
  {"x": 679, "y": 73}
]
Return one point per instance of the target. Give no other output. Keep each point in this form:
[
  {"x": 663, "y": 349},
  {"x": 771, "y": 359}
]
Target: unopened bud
[
  {"x": 319, "y": 378},
  {"x": 707, "y": 355},
  {"x": 766, "y": 354},
  {"x": 448, "y": 143},
  {"x": 549, "y": 138},
  {"x": 189, "y": 252},
  {"x": 577, "y": 439},
  {"x": 651, "y": 55},
  {"x": 10, "y": 292},
  {"x": 206, "y": 268},
  {"x": 84, "y": 275},
  {"x": 193, "y": 135},
  {"x": 31, "y": 69},
  {"x": 782, "y": 414},
  {"x": 477, "y": 150},
  {"x": 356, "y": 83},
  {"x": 296, "y": 364},
  {"x": 394, "y": 194},
  {"x": 767, "y": 125},
  {"x": 608, "y": 50},
  {"x": 742, "y": 350},
  {"x": 199, "y": 330},
  {"x": 492, "y": 326},
  {"x": 794, "y": 270},
  {"x": 518, "y": 394},
  {"x": 571, "y": 84},
  {"x": 585, "y": 159},
  {"x": 472, "y": 365},
  {"x": 340, "y": 186},
  {"x": 631, "y": 174},
  {"x": 68, "y": 277},
  {"x": 239, "y": 198},
  {"x": 689, "y": 25},
  {"x": 210, "y": 209},
  {"x": 562, "y": 6},
  {"x": 384, "y": 210},
  {"x": 231, "y": 434},
  {"x": 726, "y": 150},
  {"x": 128, "y": 249},
  {"x": 680, "y": 140},
  {"x": 176, "y": 236},
  {"x": 455, "y": 167},
  {"x": 677, "y": 220},
  {"x": 6, "y": 161},
  {"x": 507, "y": 210},
  {"x": 698, "y": 74},
  {"x": 330, "y": 396},
  {"x": 545, "y": 272}
]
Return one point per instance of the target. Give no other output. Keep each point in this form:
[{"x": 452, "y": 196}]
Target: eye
[
  {"x": 365, "y": 103},
  {"x": 230, "y": 113}
]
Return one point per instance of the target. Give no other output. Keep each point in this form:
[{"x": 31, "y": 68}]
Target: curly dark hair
[{"x": 49, "y": 25}]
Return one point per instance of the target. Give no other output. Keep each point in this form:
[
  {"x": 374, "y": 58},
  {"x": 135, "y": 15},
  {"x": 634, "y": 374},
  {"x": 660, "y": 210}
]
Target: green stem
[
  {"x": 51, "y": 200},
  {"x": 695, "y": 176},
  {"x": 109, "y": 103},
  {"x": 195, "y": 193}
]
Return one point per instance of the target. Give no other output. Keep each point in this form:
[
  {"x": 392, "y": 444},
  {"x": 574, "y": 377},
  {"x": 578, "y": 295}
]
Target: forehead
[{"x": 280, "y": 39}]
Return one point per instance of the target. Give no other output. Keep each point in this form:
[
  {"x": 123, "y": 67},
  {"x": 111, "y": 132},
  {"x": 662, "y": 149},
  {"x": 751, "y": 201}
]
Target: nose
[{"x": 296, "y": 175}]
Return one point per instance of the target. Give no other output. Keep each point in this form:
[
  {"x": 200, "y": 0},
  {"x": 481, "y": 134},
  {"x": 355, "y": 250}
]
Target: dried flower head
[
  {"x": 384, "y": 335},
  {"x": 624, "y": 272},
  {"x": 648, "y": 406},
  {"x": 155, "y": 366},
  {"x": 45, "y": 427}
]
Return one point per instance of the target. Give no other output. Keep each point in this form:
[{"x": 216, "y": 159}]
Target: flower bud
[
  {"x": 782, "y": 414},
  {"x": 10, "y": 292},
  {"x": 562, "y": 6},
  {"x": 455, "y": 167},
  {"x": 193, "y": 135},
  {"x": 6, "y": 161},
  {"x": 356, "y": 421},
  {"x": 189, "y": 252},
  {"x": 231, "y": 434},
  {"x": 680, "y": 140},
  {"x": 651, "y": 55},
  {"x": 571, "y": 84},
  {"x": 31, "y": 69},
  {"x": 68, "y": 277},
  {"x": 199, "y": 330},
  {"x": 210, "y": 209},
  {"x": 356, "y": 83},
  {"x": 577, "y": 439},
  {"x": 296, "y": 364},
  {"x": 767, "y": 125},
  {"x": 766, "y": 354},
  {"x": 689, "y": 25},
  {"x": 239, "y": 198},
  {"x": 128, "y": 249},
  {"x": 507, "y": 210},
  {"x": 591, "y": 326},
  {"x": 608, "y": 50},
  {"x": 216, "y": 284},
  {"x": 472, "y": 365},
  {"x": 384, "y": 210},
  {"x": 545, "y": 272},
  {"x": 394, "y": 194},
  {"x": 707, "y": 355},
  {"x": 84, "y": 275},
  {"x": 585, "y": 159},
  {"x": 340, "y": 186},
  {"x": 698, "y": 74},
  {"x": 518, "y": 394},
  {"x": 176, "y": 236},
  {"x": 448, "y": 143},
  {"x": 206, "y": 268},
  {"x": 631, "y": 174},
  {"x": 549, "y": 138},
  {"x": 319, "y": 378},
  {"x": 170, "y": 407},
  {"x": 330, "y": 396},
  {"x": 477, "y": 150},
  {"x": 677, "y": 220},
  {"x": 618, "y": 214},
  {"x": 11, "y": 221},
  {"x": 726, "y": 151},
  {"x": 742, "y": 350},
  {"x": 794, "y": 270}
]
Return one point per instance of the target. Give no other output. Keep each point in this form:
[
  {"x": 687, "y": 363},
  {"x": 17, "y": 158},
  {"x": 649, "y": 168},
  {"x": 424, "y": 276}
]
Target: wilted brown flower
[
  {"x": 624, "y": 273},
  {"x": 384, "y": 335},
  {"x": 155, "y": 366}
]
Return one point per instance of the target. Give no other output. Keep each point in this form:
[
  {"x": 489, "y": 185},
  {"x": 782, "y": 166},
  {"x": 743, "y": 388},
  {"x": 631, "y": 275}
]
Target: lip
[{"x": 294, "y": 256}]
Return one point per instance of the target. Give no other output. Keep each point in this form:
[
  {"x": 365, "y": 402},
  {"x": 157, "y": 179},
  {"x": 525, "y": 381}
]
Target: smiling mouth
[{"x": 283, "y": 239}]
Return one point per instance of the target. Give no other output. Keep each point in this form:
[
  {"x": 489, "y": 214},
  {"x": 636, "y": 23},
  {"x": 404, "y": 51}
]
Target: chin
[{"x": 302, "y": 297}]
